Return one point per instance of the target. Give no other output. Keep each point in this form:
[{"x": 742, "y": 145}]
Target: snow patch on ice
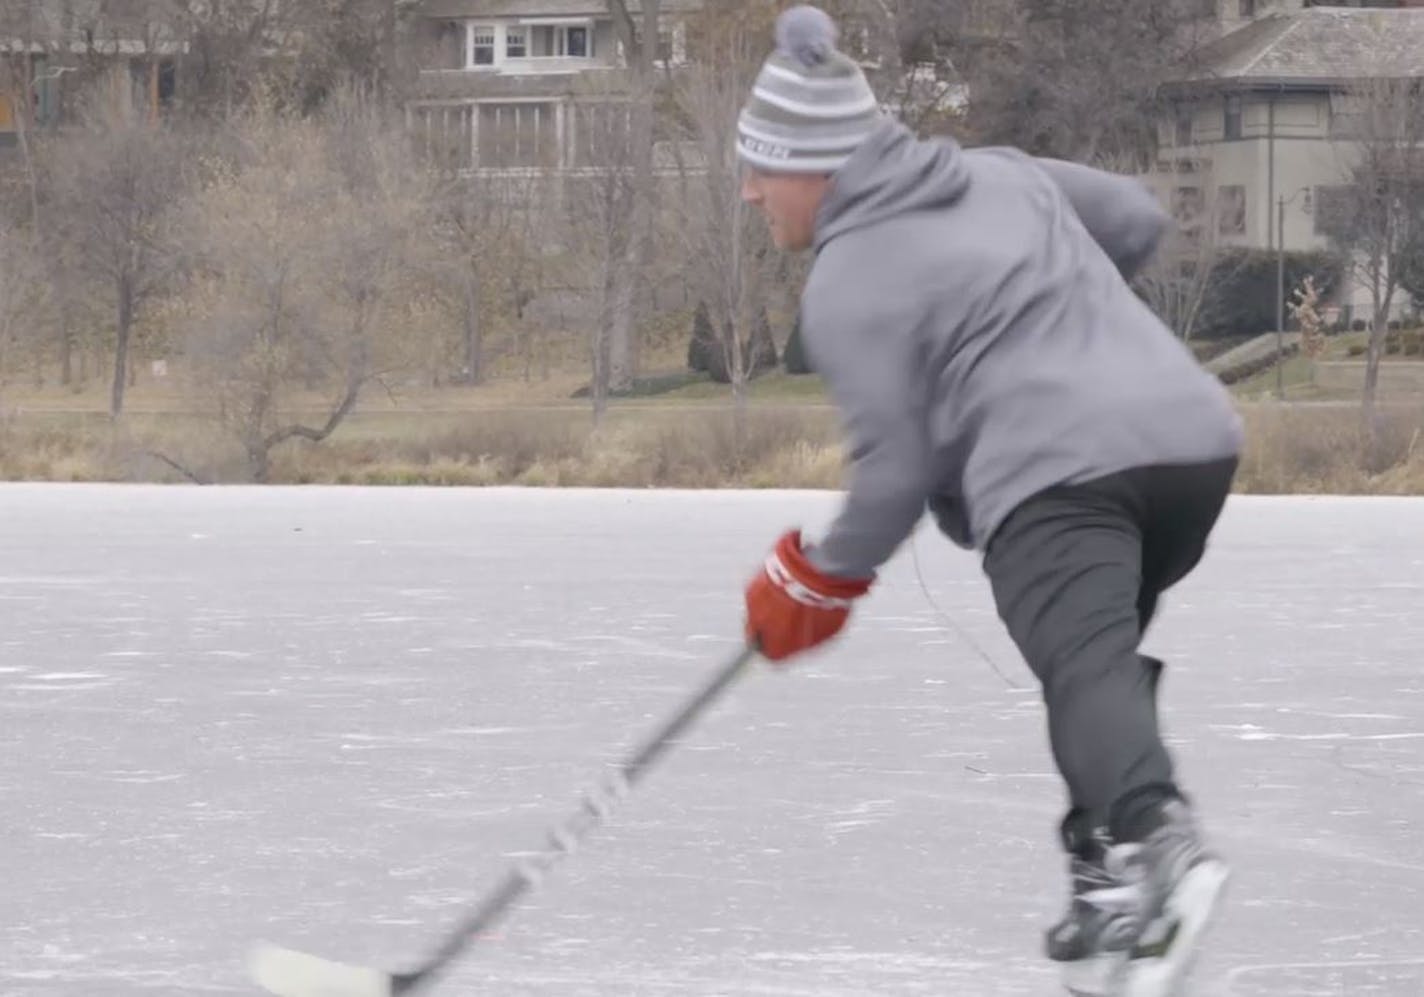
[{"x": 1266, "y": 735}]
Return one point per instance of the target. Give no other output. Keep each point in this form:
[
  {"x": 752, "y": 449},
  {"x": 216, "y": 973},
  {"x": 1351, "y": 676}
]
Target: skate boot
[
  {"x": 1180, "y": 884},
  {"x": 1094, "y": 938}
]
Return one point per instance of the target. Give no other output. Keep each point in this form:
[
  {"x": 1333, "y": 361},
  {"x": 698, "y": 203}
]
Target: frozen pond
[{"x": 327, "y": 717}]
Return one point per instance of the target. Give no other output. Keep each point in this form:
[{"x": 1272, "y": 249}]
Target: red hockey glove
[{"x": 792, "y": 607}]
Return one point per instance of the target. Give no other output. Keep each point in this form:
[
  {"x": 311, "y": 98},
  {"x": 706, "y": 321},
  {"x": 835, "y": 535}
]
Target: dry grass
[
  {"x": 43, "y": 454},
  {"x": 1292, "y": 449},
  {"x": 635, "y": 448},
  {"x": 1322, "y": 450}
]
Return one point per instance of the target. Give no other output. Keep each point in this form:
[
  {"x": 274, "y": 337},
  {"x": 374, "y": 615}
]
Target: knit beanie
[{"x": 811, "y": 106}]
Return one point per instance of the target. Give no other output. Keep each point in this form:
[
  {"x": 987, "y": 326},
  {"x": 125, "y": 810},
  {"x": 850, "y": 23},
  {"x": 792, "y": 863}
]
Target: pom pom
[{"x": 806, "y": 34}]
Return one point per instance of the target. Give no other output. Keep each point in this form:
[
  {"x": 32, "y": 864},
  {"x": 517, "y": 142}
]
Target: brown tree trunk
[
  {"x": 473, "y": 354},
  {"x": 121, "y": 348},
  {"x": 1375, "y": 459},
  {"x": 66, "y": 339},
  {"x": 634, "y": 246},
  {"x": 599, "y": 389},
  {"x": 387, "y": 71},
  {"x": 259, "y": 463}
]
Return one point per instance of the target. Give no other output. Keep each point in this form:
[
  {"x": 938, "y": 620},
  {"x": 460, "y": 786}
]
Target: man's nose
[{"x": 751, "y": 190}]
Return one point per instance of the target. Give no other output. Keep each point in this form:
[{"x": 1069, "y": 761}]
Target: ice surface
[{"x": 329, "y": 718}]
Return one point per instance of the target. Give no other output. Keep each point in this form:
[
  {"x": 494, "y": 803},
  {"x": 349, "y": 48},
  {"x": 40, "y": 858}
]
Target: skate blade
[
  {"x": 1194, "y": 904},
  {"x": 1101, "y": 975}
]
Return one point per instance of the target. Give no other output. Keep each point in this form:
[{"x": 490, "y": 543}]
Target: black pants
[{"x": 1077, "y": 572}]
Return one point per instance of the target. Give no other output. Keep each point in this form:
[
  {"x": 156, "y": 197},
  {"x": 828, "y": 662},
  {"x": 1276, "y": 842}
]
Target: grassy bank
[{"x": 688, "y": 444}]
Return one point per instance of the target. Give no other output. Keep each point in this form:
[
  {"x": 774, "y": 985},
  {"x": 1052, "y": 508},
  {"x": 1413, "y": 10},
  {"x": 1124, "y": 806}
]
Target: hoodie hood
[{"x": 891, "y": 173}]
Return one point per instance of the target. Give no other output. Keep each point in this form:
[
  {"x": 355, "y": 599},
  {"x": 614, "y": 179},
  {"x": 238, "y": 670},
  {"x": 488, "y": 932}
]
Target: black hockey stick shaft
[{"x": 565, "y": 838}]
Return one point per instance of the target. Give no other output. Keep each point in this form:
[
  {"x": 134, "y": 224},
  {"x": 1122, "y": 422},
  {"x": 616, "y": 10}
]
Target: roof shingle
[{"x": 1324, "y": 45}]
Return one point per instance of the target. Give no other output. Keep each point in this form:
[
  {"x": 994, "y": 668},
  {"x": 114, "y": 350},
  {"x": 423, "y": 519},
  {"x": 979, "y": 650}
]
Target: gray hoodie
[{"x": 969, "y": 312}]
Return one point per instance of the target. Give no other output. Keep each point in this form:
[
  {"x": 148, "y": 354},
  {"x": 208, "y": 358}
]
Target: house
[
  {"x": 528, "y": 84},
  {"x": 1259, "y": 137},
  {"x": 125, "y": 59}
]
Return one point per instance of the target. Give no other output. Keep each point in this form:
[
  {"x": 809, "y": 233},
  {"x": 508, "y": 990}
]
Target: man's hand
[{"x": 792, "y": 607}]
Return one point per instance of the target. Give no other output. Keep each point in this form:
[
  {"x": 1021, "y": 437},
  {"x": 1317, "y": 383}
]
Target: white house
[
  {"x": 523, "y": 84},
  {"x": 1260, "y": 136}
]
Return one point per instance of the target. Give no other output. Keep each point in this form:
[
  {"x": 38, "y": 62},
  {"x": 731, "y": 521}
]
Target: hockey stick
[{"x": 296, "y": 974}]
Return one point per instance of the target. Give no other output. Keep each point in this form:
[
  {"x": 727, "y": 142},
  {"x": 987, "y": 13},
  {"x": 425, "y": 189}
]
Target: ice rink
[{"x": 329, "y": 717}]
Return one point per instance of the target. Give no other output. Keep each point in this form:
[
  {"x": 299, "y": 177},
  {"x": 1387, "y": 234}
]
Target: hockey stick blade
[{"x": 296, "y": 974}]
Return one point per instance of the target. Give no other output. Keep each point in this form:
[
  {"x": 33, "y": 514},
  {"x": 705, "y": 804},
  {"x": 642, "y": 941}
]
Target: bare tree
[
  {"x": 372, "y": 46},
  {"x": 301, "y": 248},
  {"x": 229, "y": 46},
  {"x": 598, "y": 199},
  {"x": 484, "y": 228},
  {"x": 632, "y": 228},
  {"x": 1178, "y": 282},
  {"x": 1376, "y": 219},
  {"x": 29, "y": 32},
  {"x": 1079, "y": 80},
  {"x": 22, "y": 298},
  {"x": 114, "y": 183},
  {"x": 904, "y": 47},
  {"x": 729, "y": 241}
]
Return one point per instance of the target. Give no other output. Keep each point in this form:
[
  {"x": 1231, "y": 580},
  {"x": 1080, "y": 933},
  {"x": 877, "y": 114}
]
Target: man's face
[{"x": 789, "y": 201}]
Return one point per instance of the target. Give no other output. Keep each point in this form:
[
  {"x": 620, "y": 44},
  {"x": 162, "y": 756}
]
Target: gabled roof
[
  {"x": 1317, "y": 46},
  {"x": 79, "y": 26},
  {"x": 541, "y": 8}
]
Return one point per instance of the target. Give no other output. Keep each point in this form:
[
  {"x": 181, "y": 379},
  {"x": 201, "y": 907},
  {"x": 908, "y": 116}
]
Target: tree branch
[
  {"x": 192, "y": 476},
  {"x": 627, "y": 30},
  {"x": 297, "y": 430}
]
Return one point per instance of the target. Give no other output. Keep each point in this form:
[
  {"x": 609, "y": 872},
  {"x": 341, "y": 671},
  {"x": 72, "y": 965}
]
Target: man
[{"x": 971, "y": 316}]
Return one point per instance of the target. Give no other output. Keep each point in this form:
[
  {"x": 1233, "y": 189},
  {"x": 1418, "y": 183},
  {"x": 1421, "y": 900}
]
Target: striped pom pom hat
[{"x": 811, "y": 106}]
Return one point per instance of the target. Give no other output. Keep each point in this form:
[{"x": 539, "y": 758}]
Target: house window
[
  {"x": 1231, "y": 210},
  {"x": 1231, "y": 123},
  {"x": 452, "y": 45},
  {"x": 576, "y": 43},
  {"x": 1187, "y": 205},
  {"x": 1183, "y": 126},
  {"x": 141, "y": 81},
  {"x": 46, "y": 92},
  {"x": 562, "y": 40},
  {"x": 672, "y": 44},
  {"x": 482, "y": 45},
  {"x": 167, "y": 83},
  {"x": 516, "y": 43}
]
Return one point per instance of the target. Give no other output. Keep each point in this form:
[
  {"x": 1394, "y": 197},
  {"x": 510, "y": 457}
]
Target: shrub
[
  {"x": 793, "y": 358},
  {"x": 1241, "y": 299},
  {"x": 1250, "y": 368},
  {"x": 758, "y": 353},
  {"x": 761, "y": 349},
  {"x": 701, "y": 346}
]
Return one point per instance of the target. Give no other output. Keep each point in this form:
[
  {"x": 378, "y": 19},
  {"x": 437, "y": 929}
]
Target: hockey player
[{"x": 970, "y": 313}]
